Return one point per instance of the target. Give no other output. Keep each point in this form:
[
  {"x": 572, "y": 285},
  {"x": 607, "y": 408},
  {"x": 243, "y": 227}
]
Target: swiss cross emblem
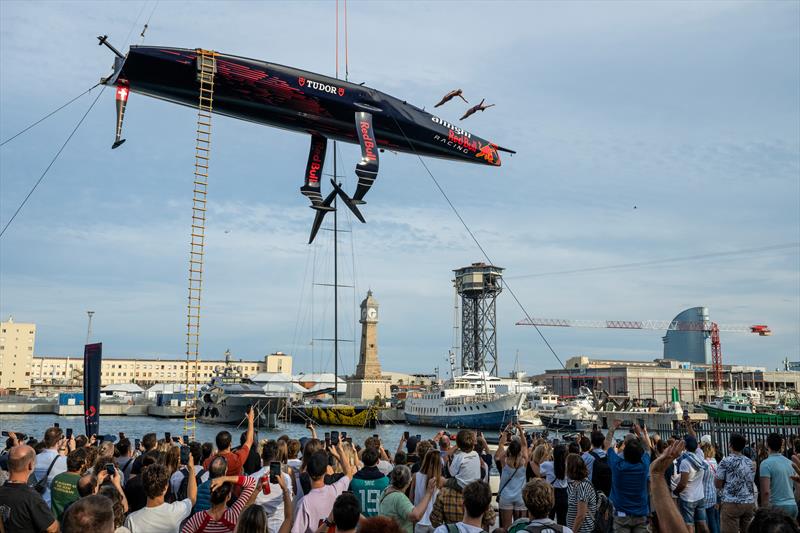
[
  {"x": 122, "y": 93},
  {"x": 301, "y": 81}
]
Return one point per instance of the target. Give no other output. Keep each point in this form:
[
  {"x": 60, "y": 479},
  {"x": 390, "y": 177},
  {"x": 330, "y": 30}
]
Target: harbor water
[{"x": 134, "y": 426}]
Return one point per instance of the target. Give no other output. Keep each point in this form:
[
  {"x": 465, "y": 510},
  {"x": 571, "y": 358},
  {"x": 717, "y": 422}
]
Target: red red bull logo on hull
[
  {"x": 314, "y": 168},
  {"x": 369, "y": 141}
]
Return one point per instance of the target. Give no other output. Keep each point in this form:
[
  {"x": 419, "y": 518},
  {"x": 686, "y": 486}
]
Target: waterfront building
[
  {"x": 68, "y": 371},
  {"x": 655, "y": 379},
  {"x": 17, "y": 340}
]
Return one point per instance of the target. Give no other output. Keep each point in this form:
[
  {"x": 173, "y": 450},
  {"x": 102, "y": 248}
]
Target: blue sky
[{"x": 688, "y": 111}]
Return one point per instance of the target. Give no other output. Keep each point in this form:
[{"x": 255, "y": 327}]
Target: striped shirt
[
  {"x": 708, "y": 480},
  {"x": 205, "y": 522},
  {"x": 581, "y": 491}
]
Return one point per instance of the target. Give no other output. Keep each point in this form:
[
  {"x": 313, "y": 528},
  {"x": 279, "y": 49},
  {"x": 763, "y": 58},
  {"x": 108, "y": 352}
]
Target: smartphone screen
[
  {"x": 376, "y": 435},
  {"x": 137, "y": 443},
  {"x": 419, "y": 438},
  {"x": 406, "y": 435},
  {"x": 343, "y": 435},
  {"x": 274, "y": 471},
  {"x": 110, "y": 469},
  {"x": 69, "y": 433},
  {"x": 167, "y": 436},
  {"x": 175, "y": 439},
  {"x": 6, "y": 433},
  {"x": 186, "y": 439},
  {"x": 184, "y": 455},
  {"x": 334, "y": 438}
]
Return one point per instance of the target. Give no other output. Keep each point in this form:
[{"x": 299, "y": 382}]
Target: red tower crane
[{"x": 711, "y": 328}]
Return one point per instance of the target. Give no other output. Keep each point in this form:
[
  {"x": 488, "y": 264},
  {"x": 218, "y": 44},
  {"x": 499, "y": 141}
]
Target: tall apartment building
[{"x": 17, "y": 340}]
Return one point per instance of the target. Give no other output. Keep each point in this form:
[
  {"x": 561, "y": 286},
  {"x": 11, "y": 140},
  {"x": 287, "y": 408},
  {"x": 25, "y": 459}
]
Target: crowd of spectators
[{"x": 596, "y": 483}]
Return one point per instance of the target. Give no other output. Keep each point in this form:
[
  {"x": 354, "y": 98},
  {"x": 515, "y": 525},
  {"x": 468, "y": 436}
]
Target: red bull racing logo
[
  {"x": 319, "y": 86},
  {"x": 369, "y": 142},
  {"x": 489, "y": 153},
  {"x": 316, "y": 165}
]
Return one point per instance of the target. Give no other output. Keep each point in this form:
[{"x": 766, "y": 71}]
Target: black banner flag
[{"x": 92, "y": 362}]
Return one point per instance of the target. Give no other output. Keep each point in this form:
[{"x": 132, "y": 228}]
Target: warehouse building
[{"x": 656, "y": 379}]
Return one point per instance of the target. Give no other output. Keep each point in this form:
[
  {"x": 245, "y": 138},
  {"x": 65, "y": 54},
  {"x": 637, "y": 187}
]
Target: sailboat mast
[{"x": 335, "y": 287}]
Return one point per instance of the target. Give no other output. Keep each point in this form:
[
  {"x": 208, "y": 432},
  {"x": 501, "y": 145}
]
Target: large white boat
[
  {"x": 225, "y": 400},
  {"x": 466, "y": 401},
  {"x": 576, "y": 415}
]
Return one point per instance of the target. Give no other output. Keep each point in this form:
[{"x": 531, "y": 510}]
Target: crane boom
[
  {"x": 712, "y": 329},
  {"x": 666, "y": 325}
]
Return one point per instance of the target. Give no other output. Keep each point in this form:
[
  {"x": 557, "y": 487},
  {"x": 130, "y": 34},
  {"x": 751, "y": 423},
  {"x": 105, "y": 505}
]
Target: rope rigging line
[
  {"x": 52, "y": 162},
  {"x": 130, "y": 31},
  {"x": 50, "y": 114},
  {"x": 147, "y": 23},
  {"x": 475, "y": 239}
]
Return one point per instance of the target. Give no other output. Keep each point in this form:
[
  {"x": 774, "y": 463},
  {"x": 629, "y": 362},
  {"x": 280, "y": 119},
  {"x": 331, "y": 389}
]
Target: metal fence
[{"x": 721, "y": 432}]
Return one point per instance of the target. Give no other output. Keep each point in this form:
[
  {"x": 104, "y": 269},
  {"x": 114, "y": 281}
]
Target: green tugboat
[{"x": 738, "y": 408}]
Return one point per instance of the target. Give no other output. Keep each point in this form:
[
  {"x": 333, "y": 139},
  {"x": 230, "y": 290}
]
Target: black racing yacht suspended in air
[{"x": 301, "y": 101}]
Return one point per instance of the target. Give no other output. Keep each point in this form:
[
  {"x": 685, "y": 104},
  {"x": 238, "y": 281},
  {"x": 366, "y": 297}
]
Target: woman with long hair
[
  {"x": 555, "y": 472},
  {"x": 581, "y": 496},
  {"x": 395, "y": 504},
  {"x": 542, "y": 453},
  {"x": 712, "y": 504},
  {"x": 430, "y": 469},
  {"x": 511, "y": 458}
]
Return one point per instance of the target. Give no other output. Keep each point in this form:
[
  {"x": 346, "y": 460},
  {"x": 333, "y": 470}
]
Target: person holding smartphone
[
  {"x": 271, "y": 494},
  {"x": 235, "y": 459}
]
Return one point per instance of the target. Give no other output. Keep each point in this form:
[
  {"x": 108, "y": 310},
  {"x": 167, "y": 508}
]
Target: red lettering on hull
[{"x": 369, "y": 143}]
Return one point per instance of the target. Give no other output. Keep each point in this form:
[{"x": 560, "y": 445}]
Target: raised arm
[
  {"x": 338, "y": 454},
  {"x": 191, "y": 489},
  {"x": 645, "y": 438},
  {"x": 250, "y": 433},
  {"x": 500, "y": 454},
  {"x": 668, "y": 515},
  {"x": 610, "y": 435},
  {"x": 419, "y": 510},
  {"x": 286, "y": 527}
]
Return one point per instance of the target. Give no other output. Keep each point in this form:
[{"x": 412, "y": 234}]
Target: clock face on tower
[{"x": 372, "y": 313}]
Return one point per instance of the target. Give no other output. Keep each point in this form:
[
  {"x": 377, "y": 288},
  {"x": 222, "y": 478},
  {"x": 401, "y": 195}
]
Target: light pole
[{"x": 89, "y": 327}]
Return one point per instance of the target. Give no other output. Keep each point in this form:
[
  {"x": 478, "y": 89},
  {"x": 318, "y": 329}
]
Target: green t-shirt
[
  {"x": 368, "y": 485},
  {"x": 398, "y": 506},
  {"x": 63, "y": 491}
]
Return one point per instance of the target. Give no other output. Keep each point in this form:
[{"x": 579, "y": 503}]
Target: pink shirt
[{"x": 317, "y": 505}]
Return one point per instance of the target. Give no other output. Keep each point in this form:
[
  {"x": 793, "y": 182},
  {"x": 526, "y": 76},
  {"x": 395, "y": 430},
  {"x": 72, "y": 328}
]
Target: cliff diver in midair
[
  {"x": 285, "y": 97},
  {"x": 449, "y": 96},
  {"x": 474, "y": 109}
]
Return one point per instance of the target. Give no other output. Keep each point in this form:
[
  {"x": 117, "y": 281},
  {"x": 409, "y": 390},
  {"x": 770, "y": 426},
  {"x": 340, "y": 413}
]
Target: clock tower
[
  {"x": 368, "y": 384},
  {"x": 369, "y": 367}
]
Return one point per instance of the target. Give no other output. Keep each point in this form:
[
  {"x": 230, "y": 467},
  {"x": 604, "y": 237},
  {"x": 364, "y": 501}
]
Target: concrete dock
[{"x": 50, "y": 408}]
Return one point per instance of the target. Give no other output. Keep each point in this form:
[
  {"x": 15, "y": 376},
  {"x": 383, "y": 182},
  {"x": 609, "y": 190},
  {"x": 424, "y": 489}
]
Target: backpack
[
  {"x": 453, "y": 528},
  {"x": 40, "y": 485},
  {"x": 540, "y": 529},
  {"x": 183, "y": 489},
  {"x": 604, "y": 516},
  {"x": 601, "y": 474}
]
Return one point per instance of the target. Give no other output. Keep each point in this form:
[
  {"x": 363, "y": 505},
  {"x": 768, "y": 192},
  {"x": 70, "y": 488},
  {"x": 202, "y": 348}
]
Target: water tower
[{"x": 478, "y": 285}]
